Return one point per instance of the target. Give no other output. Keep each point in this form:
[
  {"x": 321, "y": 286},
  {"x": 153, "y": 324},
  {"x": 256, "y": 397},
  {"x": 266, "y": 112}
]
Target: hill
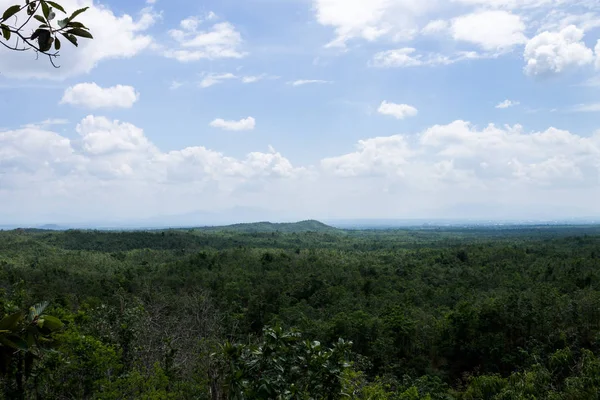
[{"x": 268, "y": 227}]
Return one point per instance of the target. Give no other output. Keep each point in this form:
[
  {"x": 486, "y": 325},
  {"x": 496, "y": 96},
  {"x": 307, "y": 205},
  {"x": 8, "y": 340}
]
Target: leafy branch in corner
[{"x": 45, "y": 38}]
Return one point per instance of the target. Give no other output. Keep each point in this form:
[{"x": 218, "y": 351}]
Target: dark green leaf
[
  {"x": 30, "y": 339},
  {"x": 48, "y": 45},
  {"x": 80, "y": 32},
  {"x": 57, "y": 6},
  {"x": 71, "y": 39},
  {"x": 45, "y": 9},
  {"x": 14, "y": 342},
  {"x": 76, "y": 13},
  {"x": 40, "y": 18},
  {"x": 76, "y": 24},
  {"x": 10, "y": 322},
  {"x": 10, "y": 12},
  {"x": 5, "y": 32},
  {"x": 50, "y": 322},
  {"x": 56, "y": 44}
]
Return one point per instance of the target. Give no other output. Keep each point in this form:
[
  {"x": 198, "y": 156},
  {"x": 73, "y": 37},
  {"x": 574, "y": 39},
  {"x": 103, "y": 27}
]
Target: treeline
[{"x": 415, "y": 314}]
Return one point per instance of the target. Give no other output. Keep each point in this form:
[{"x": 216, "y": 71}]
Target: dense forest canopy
[{"x": 401, "y": 314}]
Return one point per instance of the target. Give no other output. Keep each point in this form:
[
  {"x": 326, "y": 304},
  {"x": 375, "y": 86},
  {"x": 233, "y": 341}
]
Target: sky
[{"x": 297, "y": 109}]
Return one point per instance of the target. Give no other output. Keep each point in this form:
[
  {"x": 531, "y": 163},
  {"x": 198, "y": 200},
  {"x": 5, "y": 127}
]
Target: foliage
[
  {"x": 433, "y": 314},
  {"x": 46, "y": 36},
  {"x": 24, "y": 339},
  {"x": 283, "y": 366}
]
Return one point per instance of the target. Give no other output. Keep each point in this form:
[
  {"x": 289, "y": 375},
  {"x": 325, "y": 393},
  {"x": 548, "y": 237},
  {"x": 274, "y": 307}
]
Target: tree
[
  {"x": 45, "y": 38},
  {"x": 283, "y": 366},
  {"x": 24, "y": 338}
]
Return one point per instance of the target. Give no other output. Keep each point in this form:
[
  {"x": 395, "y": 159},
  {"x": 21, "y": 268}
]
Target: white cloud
[
  {"x": 558, "y": 19},
  {"x": 256, "y": 78},
  {"x": 592, "y": 82},
  {"x": 47, "y": 123},
  {"x": 111, "y": 165},
  {"x": 592, "y": 107},
  {"x": 597, "y": 50},
  {"x": 492, "y": 30},
  {"x": 211, "y": 79},
  {"x": 371, "y": 20},
  {"x": 399, "y": 111},
  {"x": 214, "y": 79},
  {"x": 251, "y": 79},
  {"x": 114, "y": 37},
  {"x": 376, "y": 156},
  {"x": 435, "y": 27},
  {"x": 245, "y": 124},
  {"x": 302, "y": 82},
  {"x": 35, "y": 153},
  {"x": 459, "y": 154},
  {"x": 222, "y": 40},
  {"x": 555, "y": 52},
  {"x": 175, "y": 85},
  {"x": 404, "y": 57},
  {"x": 507, "y": 104},
  {"x": 113, "y": 171},
  {"x": 92, "y": 96},
  {"x": 409, "y": 57},
  {"x": 510, "y": 4}
]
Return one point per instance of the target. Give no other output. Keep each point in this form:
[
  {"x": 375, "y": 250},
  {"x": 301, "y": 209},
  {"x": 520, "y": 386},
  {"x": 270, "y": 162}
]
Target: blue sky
[{"x": 308, "y": 109}]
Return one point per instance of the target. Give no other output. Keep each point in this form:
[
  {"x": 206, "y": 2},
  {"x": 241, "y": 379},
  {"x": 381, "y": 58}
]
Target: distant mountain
[{"x": 268, "y": 227}]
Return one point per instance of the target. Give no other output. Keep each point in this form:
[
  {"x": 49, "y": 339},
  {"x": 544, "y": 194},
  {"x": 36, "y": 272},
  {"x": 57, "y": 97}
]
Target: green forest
[{"x": 301, "y": 311}]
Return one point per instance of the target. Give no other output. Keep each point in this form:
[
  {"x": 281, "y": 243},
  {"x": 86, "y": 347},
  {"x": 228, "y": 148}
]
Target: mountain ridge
[{"x": 309, "y": 225}]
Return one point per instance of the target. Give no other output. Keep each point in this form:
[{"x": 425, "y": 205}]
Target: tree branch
[
  {"x": 30, "y": 16},
  {"x": 12, "y": 48},
  {"x": 25, "y": 6}
]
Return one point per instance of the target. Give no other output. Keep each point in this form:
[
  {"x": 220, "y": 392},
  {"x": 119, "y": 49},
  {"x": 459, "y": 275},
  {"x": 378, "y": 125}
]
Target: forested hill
[{"x": 268, "y": 227}]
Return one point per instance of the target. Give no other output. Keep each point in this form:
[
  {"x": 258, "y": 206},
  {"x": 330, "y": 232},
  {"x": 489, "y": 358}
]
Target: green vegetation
[
  {"x": 45, "y": 39},
  {"x": 301, "y": 311},
  {"x": 268, "y": 227}
]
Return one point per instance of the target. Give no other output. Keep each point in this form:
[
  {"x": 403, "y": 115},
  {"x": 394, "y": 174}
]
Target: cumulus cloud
[
  {"x": 492, "y": 30},
  {"x": 556, "y": 52},
  {"x": 371, "y": 20},
  {"x": 115, "y": 36},
  {"x": 481, "y": 157},
  {"x": 376, "y": 156},
  {"x": 221, "y": 40},
  {"x": 245, "y": 124},
  {"x": 111, "y": 169},
  {"x": 399, "y": 111},
  {"x": 108, "y": 149},
  {"x": 507, "y": 104},
  {"x": 92, "y": 96}
]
